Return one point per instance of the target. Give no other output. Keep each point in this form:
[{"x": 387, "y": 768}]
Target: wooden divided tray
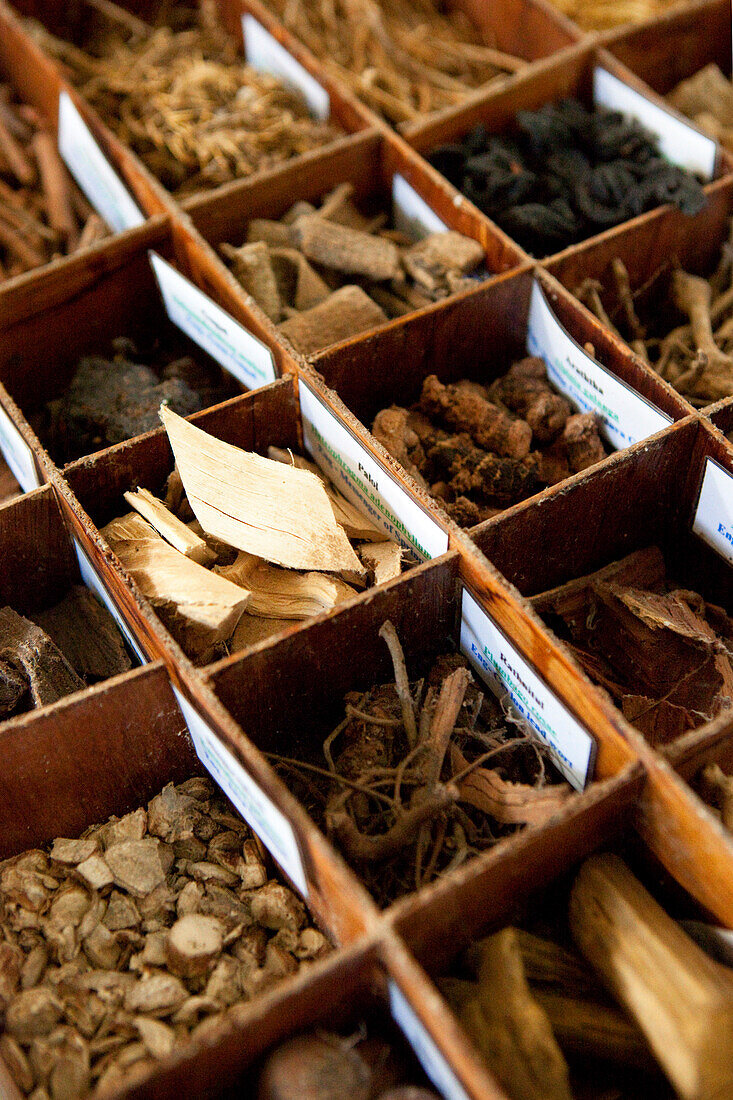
[{"x": 256, "y": 720}]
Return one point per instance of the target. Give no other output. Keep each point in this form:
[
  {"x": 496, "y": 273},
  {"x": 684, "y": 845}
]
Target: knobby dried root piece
[
  {"x": 116, "y": 396},
  {"x": 601, "y": 15},
  {"x": 56, "y": 653},
  {"x": 191, "y": 109},
  {"x": 479, "y": 449},
  {"x": 707, "y": 98},
  {"x": 404, "y": 59},
  {"x": 43, "y": 214},
  {"x": 393, "y": 793},
  {"x": 149, "y": 929},
  {"x": 327, "y": 274},
  {"x": 680, "y": 323},
  {"x": 715, "y": 787},
  {"x": 663, "y": 653},
  {"x": 244, "y": 547}
]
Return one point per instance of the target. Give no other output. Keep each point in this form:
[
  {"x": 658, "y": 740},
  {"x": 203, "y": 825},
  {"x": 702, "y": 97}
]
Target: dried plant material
[
  {"x": 28, "y": 652},
  {"x": 169, "y": 527},
  {"x": 564, "y": 173},
  {"x": 281, "y": 593},
  {"x": 601, "y": 15},
  {"x": 384, "y": 559},
  {"x": 715, "y": 787},
  {"x": 104, "y": 981},
  {"x": 662, "y": 652},
  {"x": 86, "y": 634},
  {"x": 116, "y": 395},
  {"x": 251, "y": 630},
  {"x": 327, "y": 274},
  {"x": 190, "y": 108},
  {"x": 404, "y": 59},
  {"x": 390, "y": 794},
  {"x": 479, "y": 449},
  {"x": 707, "y": 98},
  {"x": 43, "y": 214},
  {"x": 266, "y": 508},
  {"x": 509, "y": 803}
]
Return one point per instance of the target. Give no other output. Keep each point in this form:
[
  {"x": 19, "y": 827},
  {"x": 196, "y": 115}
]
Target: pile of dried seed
[
  {"x": 328, "y": 273},
  {"x": 423, "y": 775},
  {"x": 679, "y": 323},
  {"x": 565, "y": 173},
  {"x": 600, "y": 15},
  {"x": 148, "y": 930},
  {"x": 43, "y": 214},
  {"x": 707, "y": 98},
  {"x": 53, "y": 653},
  {"x": 405, "y": 58},
  {"x": 479, "y": 449},
  {"x": 187, "y": 104},
  {"x": 117, "y": 398},
  {"x": 664, "y": 654}
]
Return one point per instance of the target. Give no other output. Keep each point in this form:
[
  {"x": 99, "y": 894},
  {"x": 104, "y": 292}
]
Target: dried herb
[
  {"x": 422, "y": 775},
  {"x": 479, "y": 449},
  {"x": 405, "y": 58},
  {"x": 112, "y": 399},
  {"x": 662, "y": 652},
  {"x": 679, "y": 323},
  {"x": 600, "y": 15},
  {"x": 707, "y": 98},
  {"x": 43, "y": 214},
  {"x": 191, "y": 109},
  {"x": 56, "y": 652},
  {"x": 564, "y": 174},
  {"x": 326, "y": 274},
  {"x": 716, "y": 788},
  {"x": 146, "y": 931}
]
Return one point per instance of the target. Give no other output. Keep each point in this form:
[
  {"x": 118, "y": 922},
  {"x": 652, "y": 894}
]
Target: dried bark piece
[
  {"x": 132, "y": 826},
  {"x": 194, "y": 944},
  {"x": 72, "y": 852},
  {"x": 86, "y": 634},
  {"x": 642, "y": 569},
  {"x": 281, "y": 594},
  {"x": 17, "y": 1063},
  {"x": 314, "y": 1066},
  {"x": 200, "y": 607},
  {"x": 298, "y": 283},
  {"x": 509, "y": 803},
  {"x": 273, "y": 234},
  {"x": 138, "y": 866},
  {"x": 432, "y": 259},
  {"x": 276, "y": 512},
  {"x": 346, "y": 250},
  {"x": 275, "y": 906},
  {"x": 253, "y": 269},
  {"x": 659, "y": 720},
  {"x": 13, "y": 686},
  {"x": 170, "y": 528},
  {"x": 27, "y": 648},
  {"x": 157, "y": 994},
  {"x": 383, "y": 558},
  {"x": 345, "y": 313}
]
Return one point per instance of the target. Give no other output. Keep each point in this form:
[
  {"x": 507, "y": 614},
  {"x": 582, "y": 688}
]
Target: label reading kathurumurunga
[
  {"x": 260, "y": 813},
  {"x": 625, "y": 416},
  {"x": 507, "y": 672},
  {"x": 365, "y": 482}
]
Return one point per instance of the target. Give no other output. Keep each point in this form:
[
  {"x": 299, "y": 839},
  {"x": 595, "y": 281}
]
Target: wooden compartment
[
  {"x": 75, "y": 23},
  {"x": 569, "y": 75},
  {"x": 478, "y": 337},
  {"x": 370, "y": 162},
  {"x": 9, "y": 487},
  {"x": 38, "y": 567},
  {"x": 527, "y": 29},
  {"x": 48, "y": 323}
]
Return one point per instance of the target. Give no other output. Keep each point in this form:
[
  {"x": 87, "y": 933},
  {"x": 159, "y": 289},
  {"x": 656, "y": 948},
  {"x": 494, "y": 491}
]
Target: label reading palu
[
  {"x": 260, "y": 813},
  {"x": 366, "y": 483},
  {"x": 625, "y": 416},
  {"x": 713, "y": 521},
  {"x": 507, "y": 672}
]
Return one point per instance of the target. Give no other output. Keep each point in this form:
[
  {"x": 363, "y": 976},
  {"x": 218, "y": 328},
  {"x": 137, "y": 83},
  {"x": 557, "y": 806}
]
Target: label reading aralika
[
  {"x": 506, "y": 671},
  {"x": 365, "y": 481},
  {"x": 626, "y": 416},
  {"x": 92, "y": 580},
  {"x": 678, "y": 141},
  {"x": 92, "y": 171},
  {"x": 411, "y": 215},
  {"x": 431, "y": 1059},
  {"x": 263, "y": 817},
  {"x": 224, "y": 339},
  {"x": 267, "y": 55},
  {"x": 18, "y": 454},
  {"x": 713, "y": 521}
]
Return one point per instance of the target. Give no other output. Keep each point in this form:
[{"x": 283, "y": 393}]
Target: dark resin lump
[{"x": 566, "y": 173}]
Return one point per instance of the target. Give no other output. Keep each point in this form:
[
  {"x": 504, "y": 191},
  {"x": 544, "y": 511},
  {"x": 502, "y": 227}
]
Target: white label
[
  {"x": 678, "y": 141},
  {"x": 92, "y": 580},
  {"x": 224, "y": 339},
  {"x": 504, "y": 669},
  {"x": 18, "y": 454},
  {"x": 265, "y": 53},
  {"x": 713, "y": 521},
  {"x": 365, "y": 482},
  {"x": 92, "y": 171},
  {"x": 431, "y": 1059},
  {"x": 263, "y": 817},
  {"x": 626, "y": 416},
  {"x": 411, "y": 215}
]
